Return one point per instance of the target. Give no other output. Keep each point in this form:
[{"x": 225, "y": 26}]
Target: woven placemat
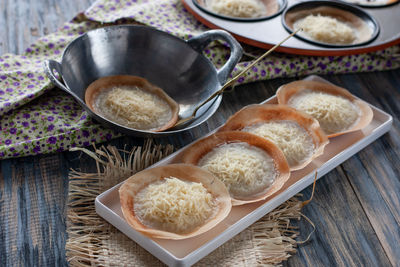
[{"x": 93, "y": 241}]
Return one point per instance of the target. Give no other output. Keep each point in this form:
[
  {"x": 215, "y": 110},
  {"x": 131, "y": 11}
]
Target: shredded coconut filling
[
  {"x": 326, "y": 29},
  {"x": 334, "y": 113},
  {"x": 174, "y": 205},
  {"x": 295, "y": 142},
  {"x": 238, "y": 8},
  {"x": 245, "y": 170},
  {"x": 133, "y": 107}
]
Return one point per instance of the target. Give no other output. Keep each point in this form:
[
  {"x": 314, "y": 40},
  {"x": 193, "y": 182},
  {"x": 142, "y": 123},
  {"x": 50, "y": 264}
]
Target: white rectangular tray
[{"x": 188, "y": 251}]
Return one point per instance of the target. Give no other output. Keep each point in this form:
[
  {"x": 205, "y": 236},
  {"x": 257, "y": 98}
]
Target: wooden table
[{"x": 356, "y": 207}]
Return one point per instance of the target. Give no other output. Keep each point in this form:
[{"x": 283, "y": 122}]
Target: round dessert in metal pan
[
  {"x": 133, "y": 102},
  {"x": 142, "y": 61},
  {"x": 331, "y": 24},
  {"x": 242, "y": 10}
]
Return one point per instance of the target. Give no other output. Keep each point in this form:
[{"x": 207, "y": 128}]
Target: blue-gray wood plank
[{"x": 356, "y": 206}]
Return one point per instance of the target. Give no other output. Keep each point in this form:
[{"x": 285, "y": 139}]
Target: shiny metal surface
[
  {"x": 273, "y": 8},
  {"x": 266, "y": 33},
  {"x": 172, "y": 64},
  {"x": 311, "y": 8}
]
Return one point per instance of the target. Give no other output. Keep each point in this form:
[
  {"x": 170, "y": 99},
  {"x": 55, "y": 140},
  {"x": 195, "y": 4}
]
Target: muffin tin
[{"x": 265, "y": 33}]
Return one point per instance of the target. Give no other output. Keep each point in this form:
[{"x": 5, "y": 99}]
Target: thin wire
[{"x": 231, "y": 81}]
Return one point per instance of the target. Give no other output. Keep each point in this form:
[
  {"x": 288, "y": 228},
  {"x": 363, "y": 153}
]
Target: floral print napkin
[{"x": 37, "y": 118}]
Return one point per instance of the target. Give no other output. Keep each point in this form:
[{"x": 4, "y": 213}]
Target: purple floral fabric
[
  {"x": 52, "y": 122},
  {"x": 37, "y": 118}
]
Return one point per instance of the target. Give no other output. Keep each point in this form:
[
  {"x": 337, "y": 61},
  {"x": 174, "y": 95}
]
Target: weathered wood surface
[{"x": 355, "y": 209}]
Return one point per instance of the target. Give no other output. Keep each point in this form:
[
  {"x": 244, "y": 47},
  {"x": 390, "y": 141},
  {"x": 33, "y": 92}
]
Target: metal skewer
[{"x": 231, "y": 81}]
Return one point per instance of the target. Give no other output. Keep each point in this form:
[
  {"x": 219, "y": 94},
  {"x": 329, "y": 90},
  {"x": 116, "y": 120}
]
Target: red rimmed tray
[{"x": 267, "y": 33}]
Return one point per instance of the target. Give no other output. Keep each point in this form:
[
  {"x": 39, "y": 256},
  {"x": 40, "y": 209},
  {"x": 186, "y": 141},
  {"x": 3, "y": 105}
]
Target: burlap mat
[{"x": 93, "y": 241}]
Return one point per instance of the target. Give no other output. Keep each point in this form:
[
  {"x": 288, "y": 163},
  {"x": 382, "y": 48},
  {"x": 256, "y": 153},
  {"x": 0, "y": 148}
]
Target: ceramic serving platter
[
  {"x": 188, "y": 251},
  {"x": 267, "y": 32}
]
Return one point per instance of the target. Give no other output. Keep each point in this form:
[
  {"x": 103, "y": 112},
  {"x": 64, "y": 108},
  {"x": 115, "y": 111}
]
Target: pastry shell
[
  {"x": 254, "y": 114},
  {"x": 106, "y": 83},
  {"x": 287, "y": 91},
  {"x": 185, "y": 172},
  {"x": 362, "y": 29},
  {"x": 197, "y": 150}
]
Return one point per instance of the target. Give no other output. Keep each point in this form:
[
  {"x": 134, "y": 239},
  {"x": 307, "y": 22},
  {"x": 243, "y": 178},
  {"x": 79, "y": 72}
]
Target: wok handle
[
  {"x": 49, "y": 67},
  {"x": 201, "y": 41}
]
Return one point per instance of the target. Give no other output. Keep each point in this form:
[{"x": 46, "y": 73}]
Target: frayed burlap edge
[{"x": 93, "y": 242}]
